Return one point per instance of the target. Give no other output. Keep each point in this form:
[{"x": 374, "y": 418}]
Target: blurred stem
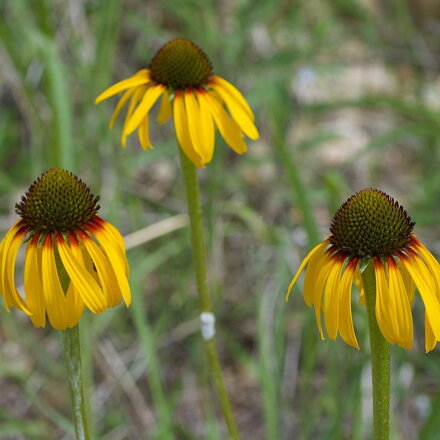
[
  {"x": 61, "y": 152},
  {"x": 154, "y": 376},
  {"x": 72, "y": 355},
  {"x": 199, "y": 261},
  {"x": 380, "y": 359}
]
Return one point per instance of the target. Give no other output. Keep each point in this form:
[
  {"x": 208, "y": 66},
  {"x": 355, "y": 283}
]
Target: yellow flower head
[
  {"x": 198, "y": 100},
  {"x": 73, "y": 257},
  {"x": 372, "y": 225}
]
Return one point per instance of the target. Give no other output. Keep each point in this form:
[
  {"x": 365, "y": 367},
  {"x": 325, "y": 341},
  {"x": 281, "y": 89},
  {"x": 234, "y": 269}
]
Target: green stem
[
  {"x": 199, "y": 260},
  {"x": 380, "y": 359},
  {"x": 72, "y": 356}
]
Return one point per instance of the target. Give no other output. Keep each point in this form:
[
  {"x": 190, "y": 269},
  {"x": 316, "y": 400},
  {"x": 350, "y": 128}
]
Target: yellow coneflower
[
  {"x": 371, "y": 225},
  {"x": 199, "y": 101},
  {"x": 73, "y": 257}
]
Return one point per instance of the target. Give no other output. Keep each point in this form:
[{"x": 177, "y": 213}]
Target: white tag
[{"x": 207, "y": 325}]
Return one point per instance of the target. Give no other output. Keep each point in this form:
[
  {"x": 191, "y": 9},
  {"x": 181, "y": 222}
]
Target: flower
[
  {"x": 73, "y": 257},
  {"x": 181, "y": 73},
  {"x": 372, "y": 227}
]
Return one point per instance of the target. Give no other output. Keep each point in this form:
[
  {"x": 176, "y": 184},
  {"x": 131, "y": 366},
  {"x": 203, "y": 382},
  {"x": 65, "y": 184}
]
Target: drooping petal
[
  {"x": 232, "y": 90},
  {"x": 426, "y": 287},
  {"x": 150, "y": 97},
  {"x": 207, "y": 130},
  {"x": 430, "y": 261},
  {"x": 87, "y": 287},
  {"x": 360, "y": 287},
  {"x": 110, "y": 238},
  {"x": 99, "y": 223},
  {"x": 33, "y": 285},
  {"x": 316, "y": 262},
  {"x": 104, "y": 270},
  {"x": 228, "y": 128},
  {"x": 105, "y": 236},
  {"x": 136, "y": 97},
  {"x": 346, "y": 328},
  {"x": 54, "y": 298},
  {"x": 430, "y": 339},
  {"x": 331, "y": 298},
  {"x": 194, "y": 122},
  {"x": 8, "y": 254},
  {"x": 328, "y": 261},
  {"x": 384, "y": 303},
  {"x": 165, "y": 108},
  {"x": 410, "y": 286},
  {"x": 144, "y": 137},
  {"x": 317, "y": 249},
  {"x": 237, "y": 112},
  {"x": 400, "y": 314},
  {"x": 74, "y": 304},
  {"x": 182, "y": 131},
  {"x": 140, "y": 78}
]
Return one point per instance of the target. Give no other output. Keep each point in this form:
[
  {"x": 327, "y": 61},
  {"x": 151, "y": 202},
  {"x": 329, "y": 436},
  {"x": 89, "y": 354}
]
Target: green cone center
[
  {"x": 180, "y": 64},
  {"x": 371, "y": 223},
  {"x": 57, "y": 201}
]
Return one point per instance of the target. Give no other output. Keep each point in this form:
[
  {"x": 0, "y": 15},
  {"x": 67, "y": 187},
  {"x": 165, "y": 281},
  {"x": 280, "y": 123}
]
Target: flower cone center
[
  {"x": 180, "y": 64},
  {"x": 371, "y": 223},
  {"x": 57, "y": 201}
]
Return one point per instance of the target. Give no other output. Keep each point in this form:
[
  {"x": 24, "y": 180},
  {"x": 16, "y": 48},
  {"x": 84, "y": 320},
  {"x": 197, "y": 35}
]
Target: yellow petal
[
  {"x": 401, "y": 315},
  {"x": 331, "y": 298},
  {"x": 99, "y": 224},
  {"x": 8, "y": 255},
  {"x": 87, "y": 287},
  {"x": 165, "y": 108},
  {"x": 384, "y": 304},
  {"x": 140, "y": 78},
  {"x": 430, "y": 339},
  {"x": 54, "y": 298},
  {"x": 206, "y": 126},
  {"x": 118, "y": 266},
  {"x": 226, "y": 85},
  {"x": 426, "y": 287},
  {"x": 33, "y": 285},
  {"x": 358, "y": 282},
  {"x": 227, "y": 127},
  {"x": 316, "y": 263},
  {"x": 137, "y": 95},
  {"x": 317, "y": 249},
  {"x": 109, "y": 237},
  {"x": 328, "y": 261},
  {"x": 182, "y": 131},
  {"x": 74, "y": 304},
  {"x": 238, "y": 113},
  {"x": 410, "y": 286},
  {"x": 104, "y": 270},
  {"x": 197, "y": 127},
  {"x": 150, "y": 97},
  {"x": 430, "y": 261},
  {"x": 346, "y": 328},
  {"x": 144, "y": 137}
]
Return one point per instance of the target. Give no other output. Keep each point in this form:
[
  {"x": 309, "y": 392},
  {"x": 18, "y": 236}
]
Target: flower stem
[
  {"x": 72, "y": 356},
  {"x": 199, "y": 260},
  {"x": 380, "y": 359}
]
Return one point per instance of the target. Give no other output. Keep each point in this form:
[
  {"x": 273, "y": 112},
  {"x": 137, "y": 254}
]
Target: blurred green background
[{"x": 346, "y": 95}]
